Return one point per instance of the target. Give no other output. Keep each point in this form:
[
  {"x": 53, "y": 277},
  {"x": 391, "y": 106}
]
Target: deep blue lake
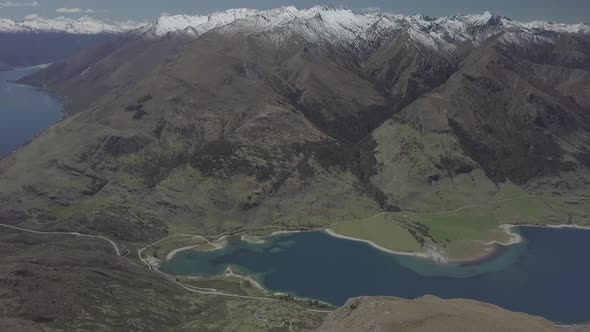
[
  {"x": 25, "y": 111},
  {"x": 548, "y": 276}
]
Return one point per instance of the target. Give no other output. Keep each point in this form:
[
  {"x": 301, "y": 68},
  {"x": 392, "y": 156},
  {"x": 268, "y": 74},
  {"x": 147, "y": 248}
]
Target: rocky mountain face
[{"x": 305, "y": 117}]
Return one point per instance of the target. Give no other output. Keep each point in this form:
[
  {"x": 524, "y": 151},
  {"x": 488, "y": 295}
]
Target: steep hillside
[
  {"x": 66, "y": 283},
  {"x": 305, "y": 117},
  {"x": 428, "y": 314}
]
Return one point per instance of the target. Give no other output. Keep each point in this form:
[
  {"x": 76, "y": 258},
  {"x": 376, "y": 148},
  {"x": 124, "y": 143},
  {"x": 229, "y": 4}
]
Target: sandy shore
[
  {"x": 216, "y": 246},
  {"x": 287, "y": 232},
  {"x": 508, "y": 227},
  {"x": 230, "y": 273},
  {"x": 177, "y": 250},
  {"x": 439, "y": 256},
  {"x": 565, "y": 226},
  {"x": 252, "y": 239},
  {"x": 515, "y": 238},
  {"x": 375, "y": 245},
  {"x": 551, "y": 226}
]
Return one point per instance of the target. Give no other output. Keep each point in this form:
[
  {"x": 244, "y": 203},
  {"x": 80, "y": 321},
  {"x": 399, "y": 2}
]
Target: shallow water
[
  {"x": 25, "y": 111},
  {"x": 547, "y": 276}
]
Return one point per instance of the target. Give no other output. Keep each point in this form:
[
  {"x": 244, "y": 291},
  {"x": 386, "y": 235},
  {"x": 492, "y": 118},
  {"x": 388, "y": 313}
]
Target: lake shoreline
[
  {"x": 495, "y": 247},
  {"x": 230, "y": 273},
  {"x": 376, "y": 246},
  {"x": 13, "y": 68},
  {"x": 493, "y": 252},
  {"x": 10, "y": 82},
  {"x": 294, "y": 270}
]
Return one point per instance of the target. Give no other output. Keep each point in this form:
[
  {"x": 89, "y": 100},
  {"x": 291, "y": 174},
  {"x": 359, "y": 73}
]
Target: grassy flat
[
  {"x": 463, "y": 233},
  {"x": 382, "y": 230},
  {"x": 470, "y": 227}
]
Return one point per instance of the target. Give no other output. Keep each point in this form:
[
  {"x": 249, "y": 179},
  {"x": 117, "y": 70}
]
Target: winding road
[{"x": 115, "y": 246}]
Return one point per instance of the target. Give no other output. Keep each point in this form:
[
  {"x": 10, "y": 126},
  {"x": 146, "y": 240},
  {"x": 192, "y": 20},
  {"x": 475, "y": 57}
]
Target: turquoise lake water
[
  {"x": 25, "y": 111},
  {"x": 548, "y": 275}
]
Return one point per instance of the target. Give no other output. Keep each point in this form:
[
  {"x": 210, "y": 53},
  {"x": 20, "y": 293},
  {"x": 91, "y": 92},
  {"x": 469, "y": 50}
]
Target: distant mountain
[
  {"x": 84, "y": 25},
  {"x": 39, "y": 40},
  {"x": 349, "y": 25}
]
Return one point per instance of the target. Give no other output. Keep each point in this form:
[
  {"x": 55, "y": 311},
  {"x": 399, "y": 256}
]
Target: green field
[
  {"x": 382, "y": 230},
  {"x": 463, "y": 233}
]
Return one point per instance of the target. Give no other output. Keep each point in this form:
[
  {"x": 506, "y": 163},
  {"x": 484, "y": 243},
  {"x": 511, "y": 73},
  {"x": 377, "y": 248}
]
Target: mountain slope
[
  {"x": 306, "y": 118},
  {"x": 427, "y": 314}
]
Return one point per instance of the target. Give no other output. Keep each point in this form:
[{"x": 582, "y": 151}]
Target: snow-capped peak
[
  {"x": 82, "y": 25},
  {"x": 480, "y": 19},
  {"x": 317, "y": 23},
  {"x": 341, "y": 23},
  {"x": 200, "y": 23}
]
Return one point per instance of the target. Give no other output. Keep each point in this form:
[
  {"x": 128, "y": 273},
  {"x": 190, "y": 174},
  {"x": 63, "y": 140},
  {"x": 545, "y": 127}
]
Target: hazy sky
[{"x": 571, "y": 11}]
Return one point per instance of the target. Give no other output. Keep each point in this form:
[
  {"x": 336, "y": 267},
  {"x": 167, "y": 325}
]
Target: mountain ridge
[
  {"x": 340, "y": 16},
  {"x": 283, "y": 15}
]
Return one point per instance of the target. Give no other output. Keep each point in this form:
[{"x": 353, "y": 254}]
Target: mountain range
[
  {"x": 337, "y": 19},
  {"x": 82, "y": 25},
  {"x": 301, "y": 118}
]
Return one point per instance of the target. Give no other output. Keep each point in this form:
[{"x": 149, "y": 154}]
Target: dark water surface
[
  {"x": 25, "y": 111},
  {"x": 549, "y": 275}
]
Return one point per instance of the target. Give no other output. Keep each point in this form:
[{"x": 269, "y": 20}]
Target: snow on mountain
[
  {"x": 200, "y": 24},
  {"x": 82, "y": 25},
  {"x": 583, "y": 28},
  {"x": 314, "y": 24},
  {"x": 264, "y": 20},
  {"x": 336, "y": 24},
  {"x": 324, "y": 23},
  {"x": 519, "y": 38}
]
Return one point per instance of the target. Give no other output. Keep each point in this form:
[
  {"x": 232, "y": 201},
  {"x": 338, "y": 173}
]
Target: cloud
[
  {"x": 371, "y": 10},
  {"x": 19, "y": 4},
  {"x": 31, "y": 17},
  {"x": 74, "y": 10}
]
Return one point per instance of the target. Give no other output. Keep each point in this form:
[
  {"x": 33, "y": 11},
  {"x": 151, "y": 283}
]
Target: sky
[{"x": 567, "y": 11}]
